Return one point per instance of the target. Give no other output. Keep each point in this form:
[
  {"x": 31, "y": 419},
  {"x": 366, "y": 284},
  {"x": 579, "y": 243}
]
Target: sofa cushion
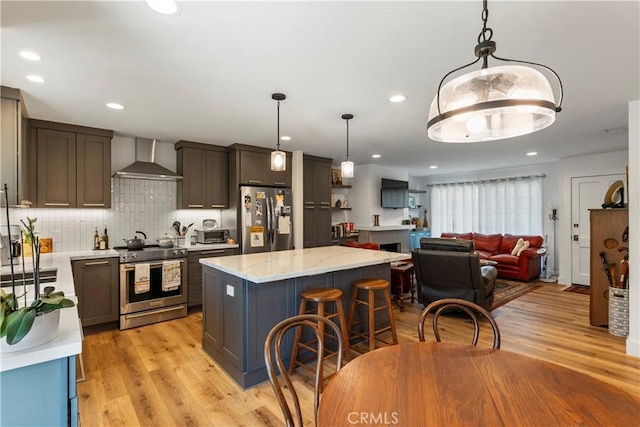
[
  {"x": 463, "y": 236},
  {"x": 509, "y": 242},
  {"x": 488, "y": 242},
  {"x": 505, "y": 259},
  {"x": 525, "y": 246}
]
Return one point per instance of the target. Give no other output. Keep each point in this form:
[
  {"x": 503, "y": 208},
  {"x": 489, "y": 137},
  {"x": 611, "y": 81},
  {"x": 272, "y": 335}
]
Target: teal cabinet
[{"x": 43, "y": 394}]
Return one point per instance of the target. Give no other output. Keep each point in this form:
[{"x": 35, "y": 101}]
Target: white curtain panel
[{"x": 512, "y": 205}]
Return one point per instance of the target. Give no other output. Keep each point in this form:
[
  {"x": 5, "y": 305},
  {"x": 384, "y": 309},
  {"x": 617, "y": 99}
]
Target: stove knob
[
  {"x": 134, "y": 256},
  {"x": 123, "y": 257},
  {"x": 183, "y": 252},
  {"x": 175, "y": 252}
]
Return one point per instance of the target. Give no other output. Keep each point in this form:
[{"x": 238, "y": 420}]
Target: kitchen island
[{"x": 246, "y": 295}]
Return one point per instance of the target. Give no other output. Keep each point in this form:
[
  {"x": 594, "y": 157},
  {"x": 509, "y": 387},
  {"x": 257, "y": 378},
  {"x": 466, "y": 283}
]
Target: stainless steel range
[{"x": 153, "y": 285}]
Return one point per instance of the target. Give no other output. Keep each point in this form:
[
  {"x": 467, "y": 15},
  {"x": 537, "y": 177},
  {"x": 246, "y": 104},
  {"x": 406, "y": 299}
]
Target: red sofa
[{"x": 496, "y": 247}]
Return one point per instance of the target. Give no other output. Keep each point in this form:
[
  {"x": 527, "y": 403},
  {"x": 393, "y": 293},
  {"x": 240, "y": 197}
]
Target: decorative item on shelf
[
  {"x": 278, "y": 158},
  {"x": 336, "y": 177},
  {"x": 614, "y": 198},
  {"x": 338, "y": 203},
  {"x": 345, "y": 204},
  {"x": 492, "y": 103},
  {"x": 347, "y": 166},
  {"x": 425, "y": 223}
]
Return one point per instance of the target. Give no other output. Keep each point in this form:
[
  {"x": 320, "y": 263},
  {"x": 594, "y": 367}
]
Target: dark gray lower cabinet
[
  {"x": 238, "y": 315},
  {"x": 194, "y": 272},
  {"x": 96, "y": 282}
]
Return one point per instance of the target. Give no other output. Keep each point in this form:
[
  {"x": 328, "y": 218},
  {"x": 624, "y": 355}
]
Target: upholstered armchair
[{"x": 448, "y": 268}]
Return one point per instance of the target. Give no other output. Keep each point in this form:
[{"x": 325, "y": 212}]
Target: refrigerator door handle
[
  {"x": 273, "y": 221},
  {"x": 268, "y": 218}
]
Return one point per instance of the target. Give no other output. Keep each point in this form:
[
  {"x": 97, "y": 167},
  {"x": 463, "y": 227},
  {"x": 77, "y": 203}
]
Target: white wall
[
  {"x": 633, "y": 340},
  {"x": 364, "y": 196}
]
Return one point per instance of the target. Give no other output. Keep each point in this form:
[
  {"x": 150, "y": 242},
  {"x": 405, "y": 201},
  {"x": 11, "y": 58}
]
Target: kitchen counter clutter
[{"x": 245, "y": 295}]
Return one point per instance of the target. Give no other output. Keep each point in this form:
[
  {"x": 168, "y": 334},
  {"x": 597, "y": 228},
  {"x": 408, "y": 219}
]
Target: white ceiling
[{"x": 207, "y": 74}]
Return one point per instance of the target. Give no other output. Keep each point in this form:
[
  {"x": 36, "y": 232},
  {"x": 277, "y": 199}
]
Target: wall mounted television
[{"x": 394, "y": 194}]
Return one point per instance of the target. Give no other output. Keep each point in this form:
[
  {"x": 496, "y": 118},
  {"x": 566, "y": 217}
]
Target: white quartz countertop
[
  {"x": 67, "y": 343},
  {"x": 280, "y": 265},
  {"x": 384, "y": 227}
]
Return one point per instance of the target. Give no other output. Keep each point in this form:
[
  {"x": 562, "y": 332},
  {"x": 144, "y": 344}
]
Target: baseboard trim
[{"x": 633, "y": 347}]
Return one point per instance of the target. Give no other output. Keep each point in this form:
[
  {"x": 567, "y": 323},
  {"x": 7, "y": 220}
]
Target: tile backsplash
[{"x": 136, "y": 204}]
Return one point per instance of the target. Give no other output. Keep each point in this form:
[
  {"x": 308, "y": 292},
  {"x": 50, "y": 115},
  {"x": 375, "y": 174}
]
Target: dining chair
[
  {"x": 471, "y": 309},
  {"x": 274, "y": 361}
]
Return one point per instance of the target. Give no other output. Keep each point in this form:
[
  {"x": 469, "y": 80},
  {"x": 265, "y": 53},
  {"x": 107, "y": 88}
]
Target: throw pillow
[
  {"x": 524, "y": 247},
  {"x": 517, "y": 247}
]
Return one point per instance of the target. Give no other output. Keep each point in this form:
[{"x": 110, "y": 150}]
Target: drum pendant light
[
  {"x": 278, "y": 158},
  {"x": 492, "y": 103},
  {"x": 347, "y": 166}
]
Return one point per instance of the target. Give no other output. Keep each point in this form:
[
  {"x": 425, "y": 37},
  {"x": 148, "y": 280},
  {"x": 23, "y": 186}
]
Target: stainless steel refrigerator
[{"x": 265, "y": 219}]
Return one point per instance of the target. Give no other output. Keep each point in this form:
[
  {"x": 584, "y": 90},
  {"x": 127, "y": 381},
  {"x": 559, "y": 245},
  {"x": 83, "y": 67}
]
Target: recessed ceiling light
[
  {"x": 35, "y": 79},
  {"x": 32, "y": 56},
  {"x": 115, "y": 106},
  {"x": 376, "y": 156},
  {"x": 397, "y": 98},
  {"x": 285, "y": 138},
  {"x": 166, "y": 7},
  {"x": 532, "y": 153},
  {"x": 433, "y": 167}
]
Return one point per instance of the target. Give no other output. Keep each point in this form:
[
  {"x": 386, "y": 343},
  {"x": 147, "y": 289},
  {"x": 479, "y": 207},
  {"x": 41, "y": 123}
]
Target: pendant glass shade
[
  {"x": 347, "y": 169},
  {"x": 278, "y": 161},
  {"x": 490, "y": 104}
]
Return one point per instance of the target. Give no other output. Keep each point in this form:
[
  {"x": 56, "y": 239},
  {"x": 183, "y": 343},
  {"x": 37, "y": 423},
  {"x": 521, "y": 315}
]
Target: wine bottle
[
  {"x": 106, "y": 239},
  {"x": 96, "y": 240}
]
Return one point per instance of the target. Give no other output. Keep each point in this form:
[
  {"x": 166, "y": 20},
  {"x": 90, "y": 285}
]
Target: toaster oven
[{"x": 216, "y": 235}]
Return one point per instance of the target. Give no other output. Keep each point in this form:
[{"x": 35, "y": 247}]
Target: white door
[{"x": 586, "y": 193}]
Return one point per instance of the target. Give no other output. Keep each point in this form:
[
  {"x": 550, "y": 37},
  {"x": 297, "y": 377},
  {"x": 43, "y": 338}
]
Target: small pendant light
[
  {"x": 492, "y": 103},
  {"x": 347, "y": 166},
  {"x": 278, "y": 158}
]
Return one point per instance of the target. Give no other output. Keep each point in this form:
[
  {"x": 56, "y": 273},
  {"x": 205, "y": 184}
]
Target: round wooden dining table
[{"x": 443, "y": 384}]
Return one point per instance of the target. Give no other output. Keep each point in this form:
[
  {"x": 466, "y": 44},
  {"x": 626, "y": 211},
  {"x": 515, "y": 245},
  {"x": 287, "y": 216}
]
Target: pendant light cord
[
  {"x": 347, "y": 139},
  {"x": 278, "y": 141}
]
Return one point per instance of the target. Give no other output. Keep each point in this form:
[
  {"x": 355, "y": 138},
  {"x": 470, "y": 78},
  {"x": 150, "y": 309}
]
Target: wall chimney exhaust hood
[{"x": 145, "y": 166}]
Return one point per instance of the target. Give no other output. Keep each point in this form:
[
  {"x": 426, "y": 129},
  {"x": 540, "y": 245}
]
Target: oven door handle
[
  {"x": 160, "y": 310},
  {"x": 127, "y": 267}
]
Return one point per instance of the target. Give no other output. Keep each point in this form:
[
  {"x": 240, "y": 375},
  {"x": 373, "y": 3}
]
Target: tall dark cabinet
[{"x": 317, "y": 201}]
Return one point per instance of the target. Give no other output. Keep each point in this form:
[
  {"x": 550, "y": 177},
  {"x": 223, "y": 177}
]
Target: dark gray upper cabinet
[
  {"x": 252, "y": 166},
  {"x": 73, "y": 165},
  {"x": 317, "y": 201},
  {"x": 204, "y": 169}
]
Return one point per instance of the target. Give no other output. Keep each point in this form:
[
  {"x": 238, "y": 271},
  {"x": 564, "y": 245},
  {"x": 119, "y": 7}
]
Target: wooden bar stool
[
  {"x": 320, "y": 296},
  {"x": 371, "y": 286}
]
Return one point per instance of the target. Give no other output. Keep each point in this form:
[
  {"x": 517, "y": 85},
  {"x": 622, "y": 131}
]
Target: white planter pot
[{"x": 43, "y": 330}]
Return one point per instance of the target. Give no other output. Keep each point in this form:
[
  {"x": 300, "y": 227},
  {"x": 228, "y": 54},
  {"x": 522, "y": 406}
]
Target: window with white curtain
[{"x": 509, "y": 205}]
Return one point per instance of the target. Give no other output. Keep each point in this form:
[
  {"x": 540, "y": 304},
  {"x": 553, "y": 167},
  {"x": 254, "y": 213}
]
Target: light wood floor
[{"x": 158, "y": 375}]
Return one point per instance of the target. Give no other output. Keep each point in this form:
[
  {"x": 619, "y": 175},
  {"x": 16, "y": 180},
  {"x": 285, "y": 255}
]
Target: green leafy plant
[
  {"x": 29, "y": 230},
  {"x": 16, "y": 322}
]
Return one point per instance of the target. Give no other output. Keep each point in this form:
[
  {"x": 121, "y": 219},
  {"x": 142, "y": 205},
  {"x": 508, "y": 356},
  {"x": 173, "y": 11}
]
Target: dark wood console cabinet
[{"x": 606, "y": 225}]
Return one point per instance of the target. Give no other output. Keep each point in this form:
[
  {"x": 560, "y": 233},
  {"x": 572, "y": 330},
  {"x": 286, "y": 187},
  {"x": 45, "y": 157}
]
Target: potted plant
[{"x": 16, "y": 322}]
